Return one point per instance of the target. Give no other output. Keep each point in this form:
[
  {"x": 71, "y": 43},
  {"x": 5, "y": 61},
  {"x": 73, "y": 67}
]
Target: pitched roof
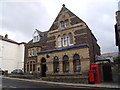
[
  {"x": 64, "y": 9},
  {"x": 43, "y": 36},
  {"x": 9, "y": 40}
]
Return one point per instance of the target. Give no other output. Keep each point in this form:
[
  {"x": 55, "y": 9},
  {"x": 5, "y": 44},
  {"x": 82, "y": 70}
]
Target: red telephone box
[
  {"x": 91, "y": 77},
  {"x": 96, "y": 70}
]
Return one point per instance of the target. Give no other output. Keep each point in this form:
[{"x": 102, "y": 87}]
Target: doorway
[
  {"x": 43, "y": 67},
  {"x": 107, "y": 73}
]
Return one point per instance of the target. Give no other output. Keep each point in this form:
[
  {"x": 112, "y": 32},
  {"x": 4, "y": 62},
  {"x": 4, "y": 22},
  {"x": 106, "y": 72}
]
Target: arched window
[
  {"x": 65, "y": 40},
  {"x": 65, "y": 64},
  {"x": 76, "y": 63},
  {"x": 59, "y": 41},
  {"x": 56, "y": 64},
  {"x": 70, "y": 38}
]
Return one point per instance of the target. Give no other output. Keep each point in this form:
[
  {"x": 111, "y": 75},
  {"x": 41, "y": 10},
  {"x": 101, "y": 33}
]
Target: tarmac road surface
[{"x": 8, "y": 84}]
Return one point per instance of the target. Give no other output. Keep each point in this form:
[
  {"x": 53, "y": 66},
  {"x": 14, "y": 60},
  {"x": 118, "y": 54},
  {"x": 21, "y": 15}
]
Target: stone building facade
[
  {"x": 117, "y": 30},
  {"x": 67, "y": 48}
]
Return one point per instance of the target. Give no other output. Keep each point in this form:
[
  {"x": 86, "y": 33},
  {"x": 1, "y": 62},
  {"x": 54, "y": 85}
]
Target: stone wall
[{"x": 84, "y": 59}]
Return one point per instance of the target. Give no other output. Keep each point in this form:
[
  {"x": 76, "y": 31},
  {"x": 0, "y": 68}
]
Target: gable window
[
  {"x": 70, "y": 39},
  {"x": 64, "y": 23},
  {"x": 36, "y": 38}
]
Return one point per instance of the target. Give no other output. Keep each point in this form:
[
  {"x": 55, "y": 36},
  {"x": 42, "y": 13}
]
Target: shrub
[{"x": 117, "y": 60}]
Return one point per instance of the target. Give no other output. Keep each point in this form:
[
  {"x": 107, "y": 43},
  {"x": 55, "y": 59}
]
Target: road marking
[{"x": 12, "y": 87}]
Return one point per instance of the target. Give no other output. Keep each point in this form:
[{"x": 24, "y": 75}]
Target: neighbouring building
[
  {"x": 67, "y": 48},
  {"x": 107, "y": 57},
  {"x": 11, "y": 54},
  {"x": 117, "y": 27}
]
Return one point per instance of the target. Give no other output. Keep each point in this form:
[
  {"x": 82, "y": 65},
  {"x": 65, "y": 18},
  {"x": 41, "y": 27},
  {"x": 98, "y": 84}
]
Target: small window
[
  {"x": 36, "y": 38},
  {"x": 66, "y": 23},
  {"x": 38, "y": 68},
  {"x": 62, "y": 24}
]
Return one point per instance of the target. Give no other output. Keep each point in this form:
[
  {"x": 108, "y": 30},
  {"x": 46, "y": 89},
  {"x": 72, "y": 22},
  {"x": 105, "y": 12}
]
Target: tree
[{"x": 117, "y": 60}]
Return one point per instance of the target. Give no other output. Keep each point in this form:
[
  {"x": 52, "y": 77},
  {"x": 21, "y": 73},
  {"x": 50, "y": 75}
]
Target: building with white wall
[{"x": 11, "y": 54}]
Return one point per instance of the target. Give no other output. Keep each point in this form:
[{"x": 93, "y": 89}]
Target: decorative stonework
[{"x": 83, "y": 42}]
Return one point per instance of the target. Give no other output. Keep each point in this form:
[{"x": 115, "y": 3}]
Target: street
[{"x": 16, "y": 84}]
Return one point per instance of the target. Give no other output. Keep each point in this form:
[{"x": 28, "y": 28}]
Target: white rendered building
[{"x": 11, "y": 54}]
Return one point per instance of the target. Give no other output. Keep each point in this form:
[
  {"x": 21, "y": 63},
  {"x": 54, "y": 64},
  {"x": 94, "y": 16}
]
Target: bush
[{"x": 117, "y": 60}]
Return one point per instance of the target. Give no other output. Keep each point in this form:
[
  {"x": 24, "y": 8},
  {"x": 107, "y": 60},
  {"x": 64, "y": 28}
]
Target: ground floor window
[
  {"x": 30, "y": 66},
  {"x": 65, "y": 64},
  {"x": 76, "y": 63},
  {"x": 56, "y": 64}
]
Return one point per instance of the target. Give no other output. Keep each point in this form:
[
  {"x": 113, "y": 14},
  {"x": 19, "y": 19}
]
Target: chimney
[{"x": 6, "y": 36}]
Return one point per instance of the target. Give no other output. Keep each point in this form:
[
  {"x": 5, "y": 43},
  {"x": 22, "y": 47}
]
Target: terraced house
[{"x": 66, "y": 49}]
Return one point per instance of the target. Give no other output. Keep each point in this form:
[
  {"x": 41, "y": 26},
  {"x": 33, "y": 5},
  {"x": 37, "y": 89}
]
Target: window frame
[
  {"x": 59, "y": 41},
  {"x": 56, "y": 64},
  {"x": 65, "y": 40},
  {"x": 76, "y": 63},
  {"x": 70, "y": 39},
  {"x": 66, "y": 64}
]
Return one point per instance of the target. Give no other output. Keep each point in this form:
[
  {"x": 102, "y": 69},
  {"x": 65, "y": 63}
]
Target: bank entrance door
[{"x": 43, "y": 67}]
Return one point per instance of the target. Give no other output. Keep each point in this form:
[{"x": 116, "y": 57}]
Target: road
[{"x": 16, "y": 84}]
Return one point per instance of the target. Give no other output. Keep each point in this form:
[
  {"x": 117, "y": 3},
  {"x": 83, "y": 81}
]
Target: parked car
[
  {"x": 1, "y": 72},
  {"x": 17, "y": 71}
]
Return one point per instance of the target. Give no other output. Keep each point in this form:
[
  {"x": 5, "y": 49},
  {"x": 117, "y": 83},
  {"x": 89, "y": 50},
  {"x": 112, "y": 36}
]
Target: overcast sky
[{"x": 19, "y": 18}]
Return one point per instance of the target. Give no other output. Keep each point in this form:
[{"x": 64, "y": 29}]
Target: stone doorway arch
[{"x": 43, "y": 67}]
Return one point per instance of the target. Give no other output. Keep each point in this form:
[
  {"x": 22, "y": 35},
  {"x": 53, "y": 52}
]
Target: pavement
[{"x": 101, "y": 85}]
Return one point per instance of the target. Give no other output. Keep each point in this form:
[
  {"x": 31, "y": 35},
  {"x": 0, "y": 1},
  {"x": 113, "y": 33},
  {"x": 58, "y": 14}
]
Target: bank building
[{"x": 66, "y": 49}]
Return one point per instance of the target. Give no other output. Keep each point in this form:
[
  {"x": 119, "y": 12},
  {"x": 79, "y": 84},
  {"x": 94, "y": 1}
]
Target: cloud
[{"x": 20, "y": 19}]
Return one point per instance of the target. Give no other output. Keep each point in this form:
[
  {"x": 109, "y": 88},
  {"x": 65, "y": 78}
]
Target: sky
[{"x": 20, "y": 18}]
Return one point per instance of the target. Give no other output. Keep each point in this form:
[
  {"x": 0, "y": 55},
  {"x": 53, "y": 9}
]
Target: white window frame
[
  {"x": 59, "y": 41},
  {"x": 65, "y": 40},
  {"x": 69, "y": 39}
]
